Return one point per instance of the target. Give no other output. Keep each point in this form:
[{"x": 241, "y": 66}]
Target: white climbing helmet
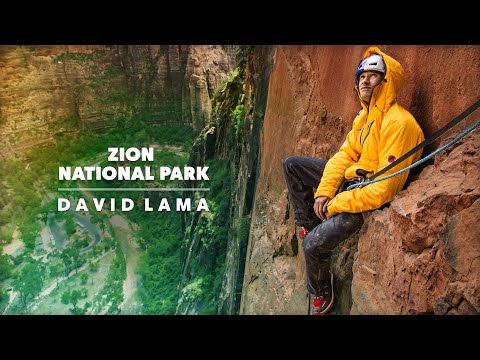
[{"x": 372, "y": 63}]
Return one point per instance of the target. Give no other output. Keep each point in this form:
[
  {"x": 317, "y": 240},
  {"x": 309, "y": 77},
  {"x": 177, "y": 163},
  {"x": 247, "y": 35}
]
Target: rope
[
  {"x": 362, "y": 184},
  {"x": 308, "y": 296},
  {"x": 430, "y": 140}
]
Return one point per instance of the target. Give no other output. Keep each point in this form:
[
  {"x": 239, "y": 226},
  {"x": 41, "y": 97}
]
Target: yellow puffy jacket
[{"x": 382, "y": 131}]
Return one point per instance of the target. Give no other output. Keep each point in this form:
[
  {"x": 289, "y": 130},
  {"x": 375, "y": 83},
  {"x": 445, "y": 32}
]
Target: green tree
[
  {"x": 75, "y": 295},
  {"x": 67, "y": 262},
  {"x": 72, "y": 297},
  {"x": 44, "y": 217},
  {"x": 102, "y": 226},
  {"x": 69, "y": 224},
  {"x": 65, "y": 299},
  {"x": 5, "y": 267},
  {"x": 71, "y": 256},
  {"x": 28, "y": 284},
  {"x": 93, "y": 266},
  {"x": 77, "y": 260},
  {"x": 41, "y": 269},
  {"x": 84, "y": 278},
  {"x": 55, "y": 271},
  {"x": 3, "y": 295}
]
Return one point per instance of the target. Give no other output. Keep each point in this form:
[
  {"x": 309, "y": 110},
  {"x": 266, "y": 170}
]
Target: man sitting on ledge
[{"x": 382, "y": 132}]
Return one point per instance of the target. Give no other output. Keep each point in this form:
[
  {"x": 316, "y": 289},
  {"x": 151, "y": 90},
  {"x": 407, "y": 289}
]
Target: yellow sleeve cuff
[
  {"x": 328, "y": 194},
  {"x": 332, "y": 210}
]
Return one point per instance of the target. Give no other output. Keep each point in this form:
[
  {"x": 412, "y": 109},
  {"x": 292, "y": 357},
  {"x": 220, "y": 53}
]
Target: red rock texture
[
  {"x": 424, "y": 249},
  {"x": 311, "y": 106}
]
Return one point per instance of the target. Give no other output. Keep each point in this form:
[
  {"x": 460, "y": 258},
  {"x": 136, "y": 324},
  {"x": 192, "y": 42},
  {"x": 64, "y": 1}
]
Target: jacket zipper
[
  {"x": 363, "y": 127},
  {"x": 368, "y": 133},
  {"x": 366, "y": 120}
]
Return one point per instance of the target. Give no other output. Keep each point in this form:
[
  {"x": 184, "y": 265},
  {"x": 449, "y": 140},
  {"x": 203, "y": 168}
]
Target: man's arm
[
  {"x": 397, "y": 139},
  {"x": 333, "y": 174}
]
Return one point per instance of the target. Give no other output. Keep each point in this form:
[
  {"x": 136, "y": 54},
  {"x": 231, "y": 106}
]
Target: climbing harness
[
  {"x": 431, "y": 139},
  {"x": 362, "y": 180}
]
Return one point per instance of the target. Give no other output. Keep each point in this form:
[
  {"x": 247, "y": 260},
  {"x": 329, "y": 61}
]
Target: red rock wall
[
  {"x": 424, "y": 250},
  {"x": 310, "y": 108}
]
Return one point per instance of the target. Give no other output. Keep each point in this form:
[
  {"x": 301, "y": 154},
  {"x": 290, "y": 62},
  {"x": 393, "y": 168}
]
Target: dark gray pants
[{"x": 303, "y": 175}]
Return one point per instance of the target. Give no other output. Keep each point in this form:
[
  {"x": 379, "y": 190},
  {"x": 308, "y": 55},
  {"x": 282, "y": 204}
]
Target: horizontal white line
[{"x": 133, "y": 189}]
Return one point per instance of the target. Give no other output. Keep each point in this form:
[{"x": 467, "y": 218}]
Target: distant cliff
[
  {"x": 421, "y": 254},
  {"x": 49, "y": 90},
  {"x": 215, "y": 244}
]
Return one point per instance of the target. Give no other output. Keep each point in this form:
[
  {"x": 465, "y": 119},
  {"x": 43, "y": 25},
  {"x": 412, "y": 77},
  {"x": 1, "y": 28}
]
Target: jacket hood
[{"x": 385, "y": 93}]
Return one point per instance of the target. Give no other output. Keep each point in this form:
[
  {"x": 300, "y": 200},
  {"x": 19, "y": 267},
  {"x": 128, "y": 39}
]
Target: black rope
[
  {"x": 308, "y": 297},
  {"x": 430, "y": 140}
]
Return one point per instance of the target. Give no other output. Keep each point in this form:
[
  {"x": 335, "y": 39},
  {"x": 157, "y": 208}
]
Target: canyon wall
[{"x": 47, "y": 91}]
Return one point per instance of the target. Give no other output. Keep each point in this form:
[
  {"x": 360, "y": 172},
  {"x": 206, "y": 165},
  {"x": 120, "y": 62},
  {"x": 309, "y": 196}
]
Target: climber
[{"x": 382, "y": 132}]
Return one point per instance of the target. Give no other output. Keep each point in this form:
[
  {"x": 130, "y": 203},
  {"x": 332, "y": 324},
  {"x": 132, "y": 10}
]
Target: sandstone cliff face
[
  {"x": 35, "y": 91},
  {"x": 420, "y": 255},
  {"x": 177, "y": 82},
  {"x": 424, "y": 250},
  {"x": 258, "y": 72},
  {"x": 48, "y": 90},
  {"x": 233, "y": 140}
]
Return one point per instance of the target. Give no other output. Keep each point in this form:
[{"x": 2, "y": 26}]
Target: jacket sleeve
[
  {"x": 333, "y": 174},
  {"x": 397, "y": 139}
]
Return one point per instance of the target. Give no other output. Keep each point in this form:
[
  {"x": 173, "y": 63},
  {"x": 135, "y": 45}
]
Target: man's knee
[
  {"x": 350, "y": 223},
  {"x": 339, "y": 228},
  {"x": 313, "y": 244},
  {"x": 306, "y": 245},
  {"x": 290, "y": 162},
  {"x": 326, "y": 236}
]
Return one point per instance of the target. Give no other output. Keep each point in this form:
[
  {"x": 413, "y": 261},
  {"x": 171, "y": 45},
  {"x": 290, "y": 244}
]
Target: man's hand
[{"x": 320, "y": 207}]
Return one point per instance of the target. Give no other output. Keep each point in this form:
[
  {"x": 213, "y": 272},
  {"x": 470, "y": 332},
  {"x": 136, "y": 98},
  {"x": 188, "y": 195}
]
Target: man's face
[{"x": 366, "y": 82}]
